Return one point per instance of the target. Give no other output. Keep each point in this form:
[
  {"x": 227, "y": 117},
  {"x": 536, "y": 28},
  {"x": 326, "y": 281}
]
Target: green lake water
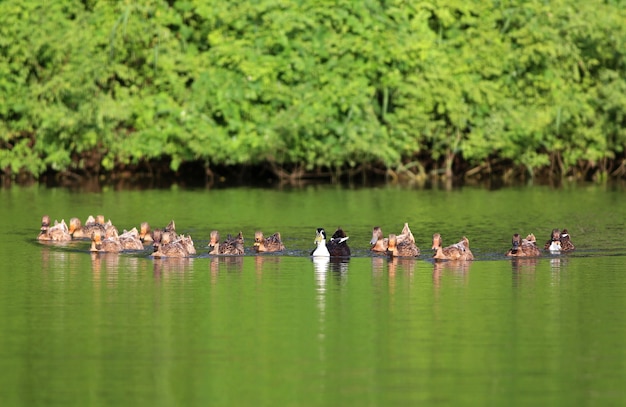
[{"x": 78, "y": 329}]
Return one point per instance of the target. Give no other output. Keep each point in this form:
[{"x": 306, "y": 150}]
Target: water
[{"x": 81, "y": 329}]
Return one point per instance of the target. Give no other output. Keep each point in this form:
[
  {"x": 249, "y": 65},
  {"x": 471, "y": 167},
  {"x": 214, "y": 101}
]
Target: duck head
[
  {"x": 144, "y": 232},
  {"x": 74, "y": 225},
  {"x": 392, "y": 245},
  {"x": 516, "y": 242},
  {"x": 259, "y": 241},
  {"x": 320, "y": 236},
  {"x": 45, "y": 223},
  {"x": 556, "y": 234},
  {"x": 339, "y": 236},
  {"x": 96, "y": 241},
  {"x": 157, "y": 234},
  {"x": 214, "y": 238},
  {"x": 437, "y": 242},
  {"x": 377, "y": 234}
]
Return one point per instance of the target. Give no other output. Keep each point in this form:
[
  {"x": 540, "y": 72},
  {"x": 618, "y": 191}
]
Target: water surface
[{"x": 82, "y": 329}]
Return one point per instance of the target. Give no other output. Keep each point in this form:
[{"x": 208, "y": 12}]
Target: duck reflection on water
[
  {"x": 164, "y": 267},
  {"x": 230, "y": 264},
  {"x": 55, "y": 262},
  {"x": 394, "y": 265},
  {"x": 524, "y": 265},
  {"x": 339, "y": 264},
  {"x": 458, "y": 269},
  {"x": 261, "y": 262},
  {"x": 105, "y": 266},
  {"x": 398, "y": 264},
  {"x": 558, "y": 264},
  {"x": 523, "y": 270}
]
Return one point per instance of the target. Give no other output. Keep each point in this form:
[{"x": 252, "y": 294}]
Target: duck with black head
[
  {"x": 338, "y": 244},
  {"x": 320, "y": 242},
  {"x": 554, "y": 243},
  {"x": 566, "y": 242},
  {"x": 523, "y": 247}
]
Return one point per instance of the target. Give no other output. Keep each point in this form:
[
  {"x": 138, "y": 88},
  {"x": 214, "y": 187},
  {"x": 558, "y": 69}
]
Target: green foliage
[{"x": 91, "y": 85}]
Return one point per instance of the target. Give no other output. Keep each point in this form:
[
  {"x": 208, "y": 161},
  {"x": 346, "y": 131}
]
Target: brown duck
[
  {"x": 272, "y": 243},
  {"x": 58, "y": 232},
  {"x": 457, "y": 251},
  {"x": 170, "y": 246},
  {"x": 231, "y": 246},
  {"x": 380, "y": 244},
  {"x": 104, "y": 244},
  {"x": 524, "y": 247},
  {"x": 80, "y": 231}
]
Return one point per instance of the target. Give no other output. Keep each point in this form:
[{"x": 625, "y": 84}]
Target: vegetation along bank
[{"x": 295, "y": 89}]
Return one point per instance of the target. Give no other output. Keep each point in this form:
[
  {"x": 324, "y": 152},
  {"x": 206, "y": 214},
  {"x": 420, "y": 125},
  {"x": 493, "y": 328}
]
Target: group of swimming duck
[
  {"x": 559, "y": 241},
  {"x": 167, "y": 242}
]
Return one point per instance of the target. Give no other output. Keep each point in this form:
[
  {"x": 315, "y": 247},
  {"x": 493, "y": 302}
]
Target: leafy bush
[{"x": 90, "y": 86}]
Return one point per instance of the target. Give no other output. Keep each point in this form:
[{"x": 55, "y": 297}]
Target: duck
[
  {"x": 231, "y": 246},
  {"x": 130, "y": 240},
  {"x": 566, "y": 243},
  {"x": 59, "y": 232},
  {"x": 170, "y": 246},
  {"x": 404, "y": 248},
  {"x": 45, "y": 224},
  {"x": 272, "y": 243},
  {"x": 144, "y": 233},
  {"x": 187, "y": 243},
  {"x": 78, "y": 231},
  {"x": 524, "y": 247},
  {"x": 380, "y": 244},
  {"x": 320, "y": 241},
  {"x": 457, "y": 251},
  {"x": 156, "y": 239},
  {"x": 552, "y": 244},
  {"x": 338, "y": 244},
  {"x": 555, "y": 247},
  {"x": 104, "y": 245}
]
